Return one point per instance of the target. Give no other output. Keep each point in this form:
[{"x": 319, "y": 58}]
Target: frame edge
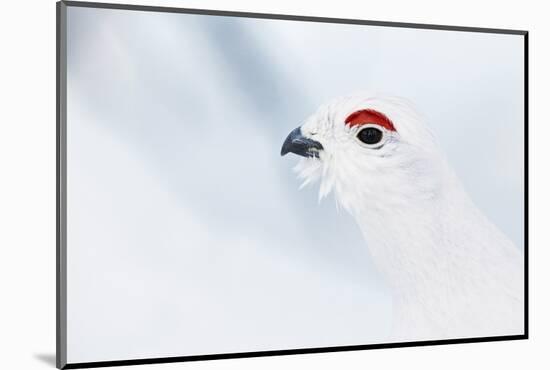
[
  {"x": 526, "y": 183},
  {"x": 61, "y": 185},
  {"x": 288, "y": 17}
]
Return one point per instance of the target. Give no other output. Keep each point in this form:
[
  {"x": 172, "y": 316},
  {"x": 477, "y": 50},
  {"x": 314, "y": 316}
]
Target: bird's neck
[
  {"x": 417, "y": 244},
  {"x": 446, "y": 263},
  {"x": 452, "y": 272}
]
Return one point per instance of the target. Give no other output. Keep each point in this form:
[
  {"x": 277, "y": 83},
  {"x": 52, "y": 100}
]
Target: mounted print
[{"x": 236, "y": 184}]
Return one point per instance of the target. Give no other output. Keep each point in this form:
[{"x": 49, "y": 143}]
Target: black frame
[{"x": 61, "y": 186}]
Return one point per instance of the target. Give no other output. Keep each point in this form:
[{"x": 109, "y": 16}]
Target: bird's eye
[{"x": 370, "y": 135}]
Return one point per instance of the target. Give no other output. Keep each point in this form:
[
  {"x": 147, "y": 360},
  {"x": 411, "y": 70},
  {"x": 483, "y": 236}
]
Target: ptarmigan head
[{"x": 372, "y": 151}]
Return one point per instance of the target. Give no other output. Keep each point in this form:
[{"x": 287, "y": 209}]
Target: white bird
[{"x": 452, "y": 272}]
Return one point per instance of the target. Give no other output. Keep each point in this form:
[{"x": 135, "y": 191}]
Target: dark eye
[{"x": 370, "y": 135}]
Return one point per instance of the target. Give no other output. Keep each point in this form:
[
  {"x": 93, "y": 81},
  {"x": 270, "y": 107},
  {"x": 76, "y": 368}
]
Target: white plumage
[{"x": 453, "y": 273}]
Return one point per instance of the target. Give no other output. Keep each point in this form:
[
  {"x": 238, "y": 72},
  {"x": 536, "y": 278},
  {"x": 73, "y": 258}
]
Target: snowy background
[{"x": 186, "y": 230}]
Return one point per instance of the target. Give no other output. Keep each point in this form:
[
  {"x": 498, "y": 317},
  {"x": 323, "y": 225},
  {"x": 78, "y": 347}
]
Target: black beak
[{"x": 296, "y": 143}]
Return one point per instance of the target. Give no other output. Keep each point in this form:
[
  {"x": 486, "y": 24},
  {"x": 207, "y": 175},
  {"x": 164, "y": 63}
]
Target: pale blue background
[{"x": 186, "y": 230}]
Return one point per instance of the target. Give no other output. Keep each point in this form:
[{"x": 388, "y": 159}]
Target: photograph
[{"x": 239, "y": 184}]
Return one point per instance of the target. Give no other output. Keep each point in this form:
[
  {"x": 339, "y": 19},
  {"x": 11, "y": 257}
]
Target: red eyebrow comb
[{"x": 364, "y": 116}]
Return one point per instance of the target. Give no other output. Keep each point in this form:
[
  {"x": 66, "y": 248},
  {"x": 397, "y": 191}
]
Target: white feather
[{"x": 452, "y": 272}]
